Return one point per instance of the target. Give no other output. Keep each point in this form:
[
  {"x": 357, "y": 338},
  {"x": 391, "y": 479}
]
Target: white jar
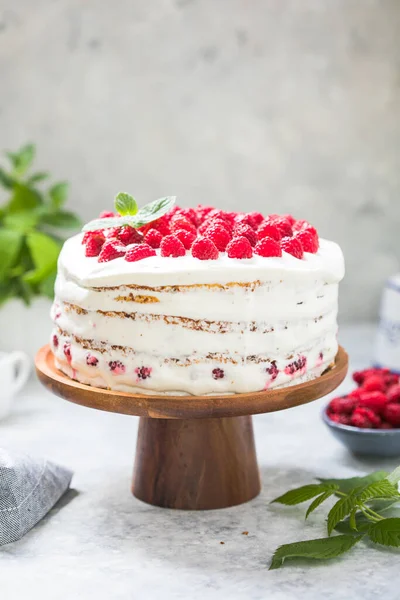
[{"x": 387, "y": 353}]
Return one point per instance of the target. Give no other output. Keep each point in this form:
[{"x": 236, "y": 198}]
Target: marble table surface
[{"x": 100, "y": 542}]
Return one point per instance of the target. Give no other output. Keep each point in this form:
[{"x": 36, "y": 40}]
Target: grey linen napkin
[{"x": 29, "y": 488}]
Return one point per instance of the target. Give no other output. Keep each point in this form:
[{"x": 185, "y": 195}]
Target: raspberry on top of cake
[{"x": 165, "y": 299}]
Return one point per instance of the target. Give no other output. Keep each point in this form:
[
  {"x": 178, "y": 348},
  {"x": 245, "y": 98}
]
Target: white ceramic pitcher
[{"x": 15, "y": 368}]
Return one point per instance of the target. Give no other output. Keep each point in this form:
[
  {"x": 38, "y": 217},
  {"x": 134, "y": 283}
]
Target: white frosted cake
[{"x": 196, "y": 302}]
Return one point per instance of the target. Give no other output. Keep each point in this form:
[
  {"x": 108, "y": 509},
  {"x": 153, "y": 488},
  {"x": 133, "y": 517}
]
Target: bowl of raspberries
[{"x": 367, "y": 420}]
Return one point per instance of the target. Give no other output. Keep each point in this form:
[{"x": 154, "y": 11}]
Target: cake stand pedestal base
[
  {"x": 193, "y": 452},
  {"x": 196, "y": 464}
]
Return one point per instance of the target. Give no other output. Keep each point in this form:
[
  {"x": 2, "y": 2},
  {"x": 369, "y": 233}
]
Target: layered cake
[{"x": 195, "y": 301}]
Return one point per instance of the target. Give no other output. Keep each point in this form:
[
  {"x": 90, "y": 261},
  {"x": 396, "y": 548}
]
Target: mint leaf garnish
[
  {"x": 154, "y": 210},
  {"x": 320, "y": 549},
  {"x": 125, "y": 204},
  {"x": 386, "y": 532}
]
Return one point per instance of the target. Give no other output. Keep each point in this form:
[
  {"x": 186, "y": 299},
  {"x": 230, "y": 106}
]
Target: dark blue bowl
[{"x": 370, "y": 442}]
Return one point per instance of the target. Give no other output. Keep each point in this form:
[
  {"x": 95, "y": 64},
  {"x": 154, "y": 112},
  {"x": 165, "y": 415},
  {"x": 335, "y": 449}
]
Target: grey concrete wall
[{"x": 275, "y": 105}]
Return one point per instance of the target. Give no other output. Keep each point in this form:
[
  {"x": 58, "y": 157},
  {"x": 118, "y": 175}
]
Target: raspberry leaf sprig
[
  {"x": 129, "y": 213},
  {"x": 356, "y": 515}
]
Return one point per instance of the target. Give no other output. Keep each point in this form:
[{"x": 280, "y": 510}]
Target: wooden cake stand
[{"x": 193, "y": 452}]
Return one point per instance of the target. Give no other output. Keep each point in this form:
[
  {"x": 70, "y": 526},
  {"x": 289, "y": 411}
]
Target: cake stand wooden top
[{"x": 187, "y": 407}]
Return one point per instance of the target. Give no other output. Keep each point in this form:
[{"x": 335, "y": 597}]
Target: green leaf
[
  {"x": 22, "y": 159},
  {"x": 62, "y": 219},
  {"x": 23, "y": 221},
  {"x": 319, "y": 500},
  {"x": 362, "y": 524},
  {"x": 10, "y": 244},
  {"x": 378, "y": 489},
  {"x": 322, "y": 549},
  {"x": 394, "y": 476},
  {"x": 340, "y": 510},
  {"x": 301, "y": 494},
  {"x": 6, "y": 180},
  {"x": 58, "y": 194},
  {"x": 154, "y": 210},
  {"x": 125, "y": 204},
  {"x": 386, "y": 532},
  {"x": 352, "y": 519},
  {"x": 24, "y": 198},
  {"x": 44, "y": 251},
  {"x": 37, "y": 177},
  {"x": 349, "y": 484},
  {"x": 108, "y": 223},
  {"x": 47, "y": 285}
]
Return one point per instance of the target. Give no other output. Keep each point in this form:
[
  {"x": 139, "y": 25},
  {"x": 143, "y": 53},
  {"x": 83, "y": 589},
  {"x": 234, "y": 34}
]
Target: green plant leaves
[
  {"x": 319, "y": 500},
  {"x": 386, "y": 532},
  {"x": 394, "y": 477},
  {"x": 23, "y": 198},
  {"x": 301, "y": 494},
  {"x": 62, "y": 219},
  {"x": 339, "y": 511},
  {"x": 44, "y": 251},
  {"x": 320, "y": 549},
  {"x": 125, "y": 204},
  {"x": 22, "y": 159},
  {"x": 58, "y": 194},
  {"x": 378, "y": 489},
  {"x": 10, "y": 244},
  {"x": 37, "y": 177},
  {"x": 347, "y": 485}
]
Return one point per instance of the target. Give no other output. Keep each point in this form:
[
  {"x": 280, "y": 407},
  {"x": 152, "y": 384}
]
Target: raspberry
[
  {"x": 393, "y": 395},
  {"x": 208, "y": 222},
  {"x": 189, "y": 214},
  {"x": 390, "y": 379},
  {"x": 283, "y": 225},
  {"x": 309, "y": 241},
  {"x": 365, "y": 419},
  {"x": 340, "y": 418},
  {"x": 55, "y": 341},
  {"x": 219, "y": 235},
  {"x": 356, "y": 394},
  {"x": 202, "y": 212},
  {"x": 246, "y": 231},
  {"x": 302, "y": 224},
  {"x": 360, "y": 376},
  {"x": 256, "y": 218},
  {"x": 172, "y": 246},
  {"x": 67, "y": 351},
  {"x": 153, "y": 238},
  {"x": 106, "y": 214},
  {"x": 344, "y": 405},
  {"x": 111, "y": 249},
  {"x": 179, "y": 222},
  {"x": 186, "y": 237},
  {"x": 139, "y": 252},
  {"x": 99, "y": 233},
  {"x": 268, "y": 247},
  {"x": 374, "y": 400},
  {"x": 218, "y": 373},
  {"x": 245, "y": 219},
  {"x": 374, "y": 383},
  {"x": 391, "y": 414},
  {"x": 239, "y": 248},
  {"x": 161, "y": 224},
  {"x": 129, "y": 235},
  {"x": 204, "y": 249},
  {"x": 296, "y": 365},
  {"x": 292, "y": 246},
  {"x": 91, "y": 360},
  {"x": 273, "y": 370},
  {"x": 143, "y": 372},
  {"x": 116, "y": 367},
  {"x": 268, "y": 229},
  {"x": 290, "y": 218},
  {"x": 94, "y": 246},
  {"x": 217, "y": 213}
]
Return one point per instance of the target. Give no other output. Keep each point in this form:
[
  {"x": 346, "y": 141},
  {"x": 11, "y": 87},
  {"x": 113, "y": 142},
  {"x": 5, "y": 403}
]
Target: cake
[{"x": 195, "y": 301}]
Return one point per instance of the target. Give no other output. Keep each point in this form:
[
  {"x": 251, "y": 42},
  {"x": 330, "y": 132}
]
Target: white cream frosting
[{"x": 288, "y": 311}]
